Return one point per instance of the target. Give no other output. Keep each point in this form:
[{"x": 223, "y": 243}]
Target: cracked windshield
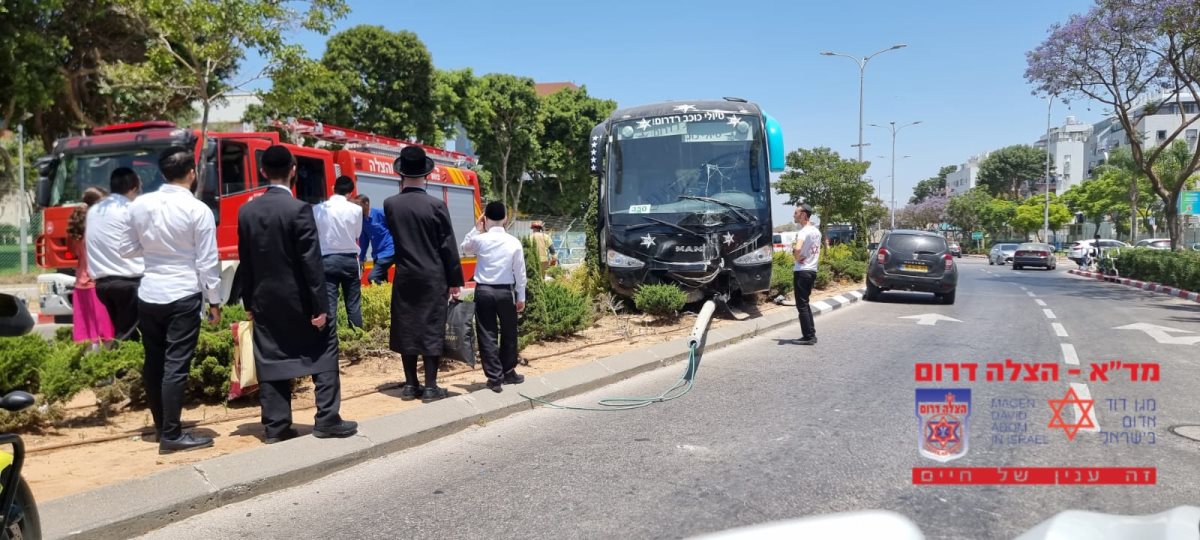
[{"x": 543, "y": 270}]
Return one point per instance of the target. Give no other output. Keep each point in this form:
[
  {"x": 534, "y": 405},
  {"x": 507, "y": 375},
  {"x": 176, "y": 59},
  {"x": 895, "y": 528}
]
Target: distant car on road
[
  {"x": 1034, "y": 254},
  {"x": 1002, "y": 253},
  {"x": 1155, "y": 243},
  {"x": 911, "y": 260},
  {"x": 955, "y": 249},
  {"x": 1080, "y": 249}
]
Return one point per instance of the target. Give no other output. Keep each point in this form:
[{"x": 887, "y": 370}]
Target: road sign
[
  {"x": 1189, "y": 203},
  {"x": 977, "y": 235}
]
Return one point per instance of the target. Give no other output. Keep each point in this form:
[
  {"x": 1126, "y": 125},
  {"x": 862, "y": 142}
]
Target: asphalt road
[{"x": 775, "y": 431}]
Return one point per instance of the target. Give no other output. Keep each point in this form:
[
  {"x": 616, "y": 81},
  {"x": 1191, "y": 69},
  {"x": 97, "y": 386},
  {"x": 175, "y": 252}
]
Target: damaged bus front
[{"x": 685, "y": 196}]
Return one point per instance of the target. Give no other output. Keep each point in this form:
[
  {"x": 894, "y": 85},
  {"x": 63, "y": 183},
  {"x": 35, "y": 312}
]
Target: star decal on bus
[
  {"x": 685, "y": 108},
  {"x": 733, "y": 120},
  {"x": 643, "y": 124},
  {"x": 647, "y": 241},
  {"x": 727, "y": 239}
]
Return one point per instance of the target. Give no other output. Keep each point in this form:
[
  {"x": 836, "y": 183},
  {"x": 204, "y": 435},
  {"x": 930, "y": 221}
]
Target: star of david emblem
[
  {"x": 728, "y": 238},
  {"x": 643, "y": 124},
  {"x": 944, "y": 433},
  {"x": 1084, "y": 420},
  {"x": 733, "y": 120},
  {"x": 647, "y": 241}
]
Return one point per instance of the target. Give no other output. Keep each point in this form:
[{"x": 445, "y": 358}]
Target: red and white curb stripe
[{"x": 1143, "y": 285}]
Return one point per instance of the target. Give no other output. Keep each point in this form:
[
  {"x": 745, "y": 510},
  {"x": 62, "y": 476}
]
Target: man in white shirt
[
  {"x": 339, "y": 224},
  {"x": 807, "y": 253},
  {"x": 117, "y": 278},
  {"x": 499, "y": 273},
  {"x": 176, "y": 235}
]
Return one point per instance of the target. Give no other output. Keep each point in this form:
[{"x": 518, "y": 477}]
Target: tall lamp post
[
  {"x": 862, "y": 69},
  {"x": 1046, "y": 210},
  {"x": 894, "y": 130},
  {"x": 22, "y": 222}
]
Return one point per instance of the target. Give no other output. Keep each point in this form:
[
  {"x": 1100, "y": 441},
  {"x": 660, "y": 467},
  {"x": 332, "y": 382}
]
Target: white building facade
[
  {"x": 1068, "y": 149},
  {"x": 963, "y": 179}
]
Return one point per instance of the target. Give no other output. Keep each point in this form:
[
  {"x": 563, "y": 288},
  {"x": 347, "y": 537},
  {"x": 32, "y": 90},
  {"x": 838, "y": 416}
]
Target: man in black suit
[
  {"x": 283, "y": 284},
  {"x": 428, "y": 271}
]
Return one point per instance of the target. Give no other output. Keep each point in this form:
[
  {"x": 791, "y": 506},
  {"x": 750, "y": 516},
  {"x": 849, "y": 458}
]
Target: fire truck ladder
[{"x": 363, "y": 141}]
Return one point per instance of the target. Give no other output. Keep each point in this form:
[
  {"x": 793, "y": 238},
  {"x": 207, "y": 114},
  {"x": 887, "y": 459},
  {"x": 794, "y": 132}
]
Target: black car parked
[{"x": 909, "y": 260}]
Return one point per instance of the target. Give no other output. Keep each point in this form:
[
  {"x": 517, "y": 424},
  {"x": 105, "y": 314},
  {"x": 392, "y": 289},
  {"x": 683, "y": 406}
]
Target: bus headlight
[
  {"x": 618, "y": 260},
  {"x": 761, "y": 255}
]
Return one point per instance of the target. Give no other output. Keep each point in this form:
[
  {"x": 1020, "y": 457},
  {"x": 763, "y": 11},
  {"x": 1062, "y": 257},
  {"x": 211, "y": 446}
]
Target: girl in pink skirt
[{"x": 92, "y": 324}]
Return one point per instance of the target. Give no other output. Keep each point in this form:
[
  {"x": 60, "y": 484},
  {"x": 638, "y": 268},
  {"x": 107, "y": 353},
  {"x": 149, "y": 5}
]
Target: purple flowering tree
[
  {"x": 1136, "y": 56},
  {"x": 925, "y": 215}
]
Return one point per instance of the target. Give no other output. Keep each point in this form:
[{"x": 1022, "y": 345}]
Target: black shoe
[
  {"x": 495, "y": 386},
  {"x": 343, "y": 429},
  {"x": 434, "y": 393},
  {"x": 807, "y": 341},
  {"x": 289, "y": 433},
  {"x": 411, "y": 392},
  {"x": 513, "y": 377},
  {"x": 185, "y": 442}
]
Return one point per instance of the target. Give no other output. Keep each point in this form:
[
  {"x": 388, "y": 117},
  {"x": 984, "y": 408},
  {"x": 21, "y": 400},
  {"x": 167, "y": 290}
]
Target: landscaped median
[
  {"x": 133, "y": 507},
  {"x": 1175, "y": 273},
  {"x": 1144, "y": 285}
]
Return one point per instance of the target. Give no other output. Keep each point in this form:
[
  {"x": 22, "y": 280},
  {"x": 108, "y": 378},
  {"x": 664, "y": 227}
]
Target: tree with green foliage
[
  {"x": 1029, "y": 216},
  {"x": 504, "y": 125},
  {"x": 197, "y": 46},
  {"x": 560, "y": 171},
  {"x": 1119, "y": 53},
  {"x": 452, "y": 99},
  {"x": 1098, "y": 197},
  {"x": 833, "y": 186},
  {"x": 1005, "y": 171},
  {"x": 870, "y": 216},
  {"x": 997, "y": 217},
  {"x": 966, "y": 211},
  {"x": 932, "y": 186}
]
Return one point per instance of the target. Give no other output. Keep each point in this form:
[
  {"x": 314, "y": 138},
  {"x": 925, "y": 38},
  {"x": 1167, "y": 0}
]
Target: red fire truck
[{"x": 230, "y": 179}]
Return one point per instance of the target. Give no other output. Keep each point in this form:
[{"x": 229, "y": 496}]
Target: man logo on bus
[{"x": 942, "y": 416}]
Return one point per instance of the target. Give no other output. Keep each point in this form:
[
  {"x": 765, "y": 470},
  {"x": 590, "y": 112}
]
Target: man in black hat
[
  {"x": 499, "y": 274},
  {"x": 428, "y": 271},
  {"x": 283, "y": 286}
]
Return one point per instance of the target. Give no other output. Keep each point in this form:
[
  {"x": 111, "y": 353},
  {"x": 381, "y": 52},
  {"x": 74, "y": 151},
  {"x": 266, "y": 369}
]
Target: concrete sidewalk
[{"x": 141, "y": 505}]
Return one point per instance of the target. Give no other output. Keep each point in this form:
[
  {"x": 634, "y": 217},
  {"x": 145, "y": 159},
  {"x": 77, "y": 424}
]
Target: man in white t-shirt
[{"x": 807, "y": 252}]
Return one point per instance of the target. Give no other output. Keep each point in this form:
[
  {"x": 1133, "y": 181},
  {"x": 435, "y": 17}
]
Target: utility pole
[
  {"x": 1046, "y": 210},
  {"x": 894, "y": 130},
  {"x": 862, "y": 70}
]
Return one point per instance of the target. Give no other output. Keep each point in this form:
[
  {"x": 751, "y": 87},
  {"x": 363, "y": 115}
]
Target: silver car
[
  {"x": 1002, "y": 253},
  {"x": 1034, "y": 254},
  {"x": 1154, "y": 243}
]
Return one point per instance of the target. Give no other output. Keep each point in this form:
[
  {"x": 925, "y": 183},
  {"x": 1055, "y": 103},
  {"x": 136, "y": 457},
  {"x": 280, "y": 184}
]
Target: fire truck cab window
[
  {"x": 233, "y": 168},
  {"x": 310, "y": 179}
]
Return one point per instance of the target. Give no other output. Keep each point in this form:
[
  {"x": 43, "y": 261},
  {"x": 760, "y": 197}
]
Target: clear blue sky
[{"x": 961, "y": 74}]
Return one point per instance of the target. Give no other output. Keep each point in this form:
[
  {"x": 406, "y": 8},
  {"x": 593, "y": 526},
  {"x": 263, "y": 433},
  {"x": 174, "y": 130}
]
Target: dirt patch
[{"x": 89, "y": 451}]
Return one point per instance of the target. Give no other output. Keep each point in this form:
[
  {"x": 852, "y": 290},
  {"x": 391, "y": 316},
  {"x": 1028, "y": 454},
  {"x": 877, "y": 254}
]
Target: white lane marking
[
  {"x": 1069, "y": 355},
  {"x": 1031, "y": 295},
  {"x": 1049, "y": 314},
  {"x": 1059, "y": 330},
  {"x": 1023, "y": 288},
  {"x": 930, "y": 319},
  {"x": 1040, "y": 302},
  {"x": 1081, "y": 390}
]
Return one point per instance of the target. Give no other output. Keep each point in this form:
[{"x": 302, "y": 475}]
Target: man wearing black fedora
[{"x": 428, "y": 271}]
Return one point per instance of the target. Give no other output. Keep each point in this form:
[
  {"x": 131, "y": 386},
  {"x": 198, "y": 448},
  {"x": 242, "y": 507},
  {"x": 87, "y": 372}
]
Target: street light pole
[
  {"x": 862, "y": 71},
  {"x": 894, "y": 130},
  {"x": 21, "y": 224},
  {"x": 1046, "y": 210}
]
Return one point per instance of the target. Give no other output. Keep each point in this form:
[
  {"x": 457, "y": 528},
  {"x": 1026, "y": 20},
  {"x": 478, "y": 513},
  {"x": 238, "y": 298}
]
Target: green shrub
[
  {"x": 557, "y": 272},
  {"x": 660, "y": 300},
  {"x": 552, "y": 311},
  {"x": 533, "y": 264},
  {"x": 848, "y": 269},
  {"x": 781, "y": 273},
  {"x": 61, "y": 376},
  {"x": 65, "y": 334},
  {"x": 209, "y": 377},
  {"x": 377, "y": 306},
  {"x": 838, "y": 252},
  {"x": 1180, "y": 269},
  {"x": 824, "y": 278},
  {"x": 20, "y": 359}
]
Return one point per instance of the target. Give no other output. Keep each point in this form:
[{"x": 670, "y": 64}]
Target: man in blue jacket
[{"x": 375, "y": 235}]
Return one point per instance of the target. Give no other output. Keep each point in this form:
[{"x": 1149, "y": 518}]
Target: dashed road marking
[
  {"x": 1049, "y": 314},
  {"x": 1081, "y": 390},
  {"x": 1023, "y": 288},
  {"x": 1069, "y": 355},
  {"x": 1059, "y": 330},
  {"x": 1031, "y": 295},
  {"x": 1040, "y": 302}
]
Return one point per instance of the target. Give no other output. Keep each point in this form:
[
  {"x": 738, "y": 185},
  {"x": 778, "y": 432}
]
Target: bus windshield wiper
[
  {"x": 740, "y": 211},
  {"x": 667, "y": 223}
]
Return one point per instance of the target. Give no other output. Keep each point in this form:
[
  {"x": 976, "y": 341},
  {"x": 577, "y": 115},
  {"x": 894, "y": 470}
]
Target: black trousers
[
  {"x": 803, "y": 281},
  {"x": 120, "y": 298},
  {"x": 276, "y": 399},
  {"x": 341, "y": 272},
  {"x": 169, "y": 335},
  {"x": 495, "y": 303}
]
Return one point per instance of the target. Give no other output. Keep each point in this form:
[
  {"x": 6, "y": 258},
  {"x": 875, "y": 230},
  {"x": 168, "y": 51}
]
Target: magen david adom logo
[{"x": 942, "y": 415}]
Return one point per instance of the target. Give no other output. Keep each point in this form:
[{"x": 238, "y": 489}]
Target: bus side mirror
[
  {"x": 775, "y": 148},
  {"x": 45, "y": 169},
  {"x": 596, "y": 148}
]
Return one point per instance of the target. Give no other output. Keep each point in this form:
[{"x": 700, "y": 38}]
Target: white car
[
  {"x": 1155, "y": 243},
  {"x": 1001, "y": 253},
  {"x": 1080, "y": 249}
]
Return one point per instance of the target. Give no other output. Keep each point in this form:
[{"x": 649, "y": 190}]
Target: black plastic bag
[{"x": 460, "y": 332}]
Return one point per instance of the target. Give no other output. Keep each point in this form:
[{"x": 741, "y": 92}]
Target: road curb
[
  {"x": 1143, "y": 285},
  {"x": 141, "y": 505}
]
